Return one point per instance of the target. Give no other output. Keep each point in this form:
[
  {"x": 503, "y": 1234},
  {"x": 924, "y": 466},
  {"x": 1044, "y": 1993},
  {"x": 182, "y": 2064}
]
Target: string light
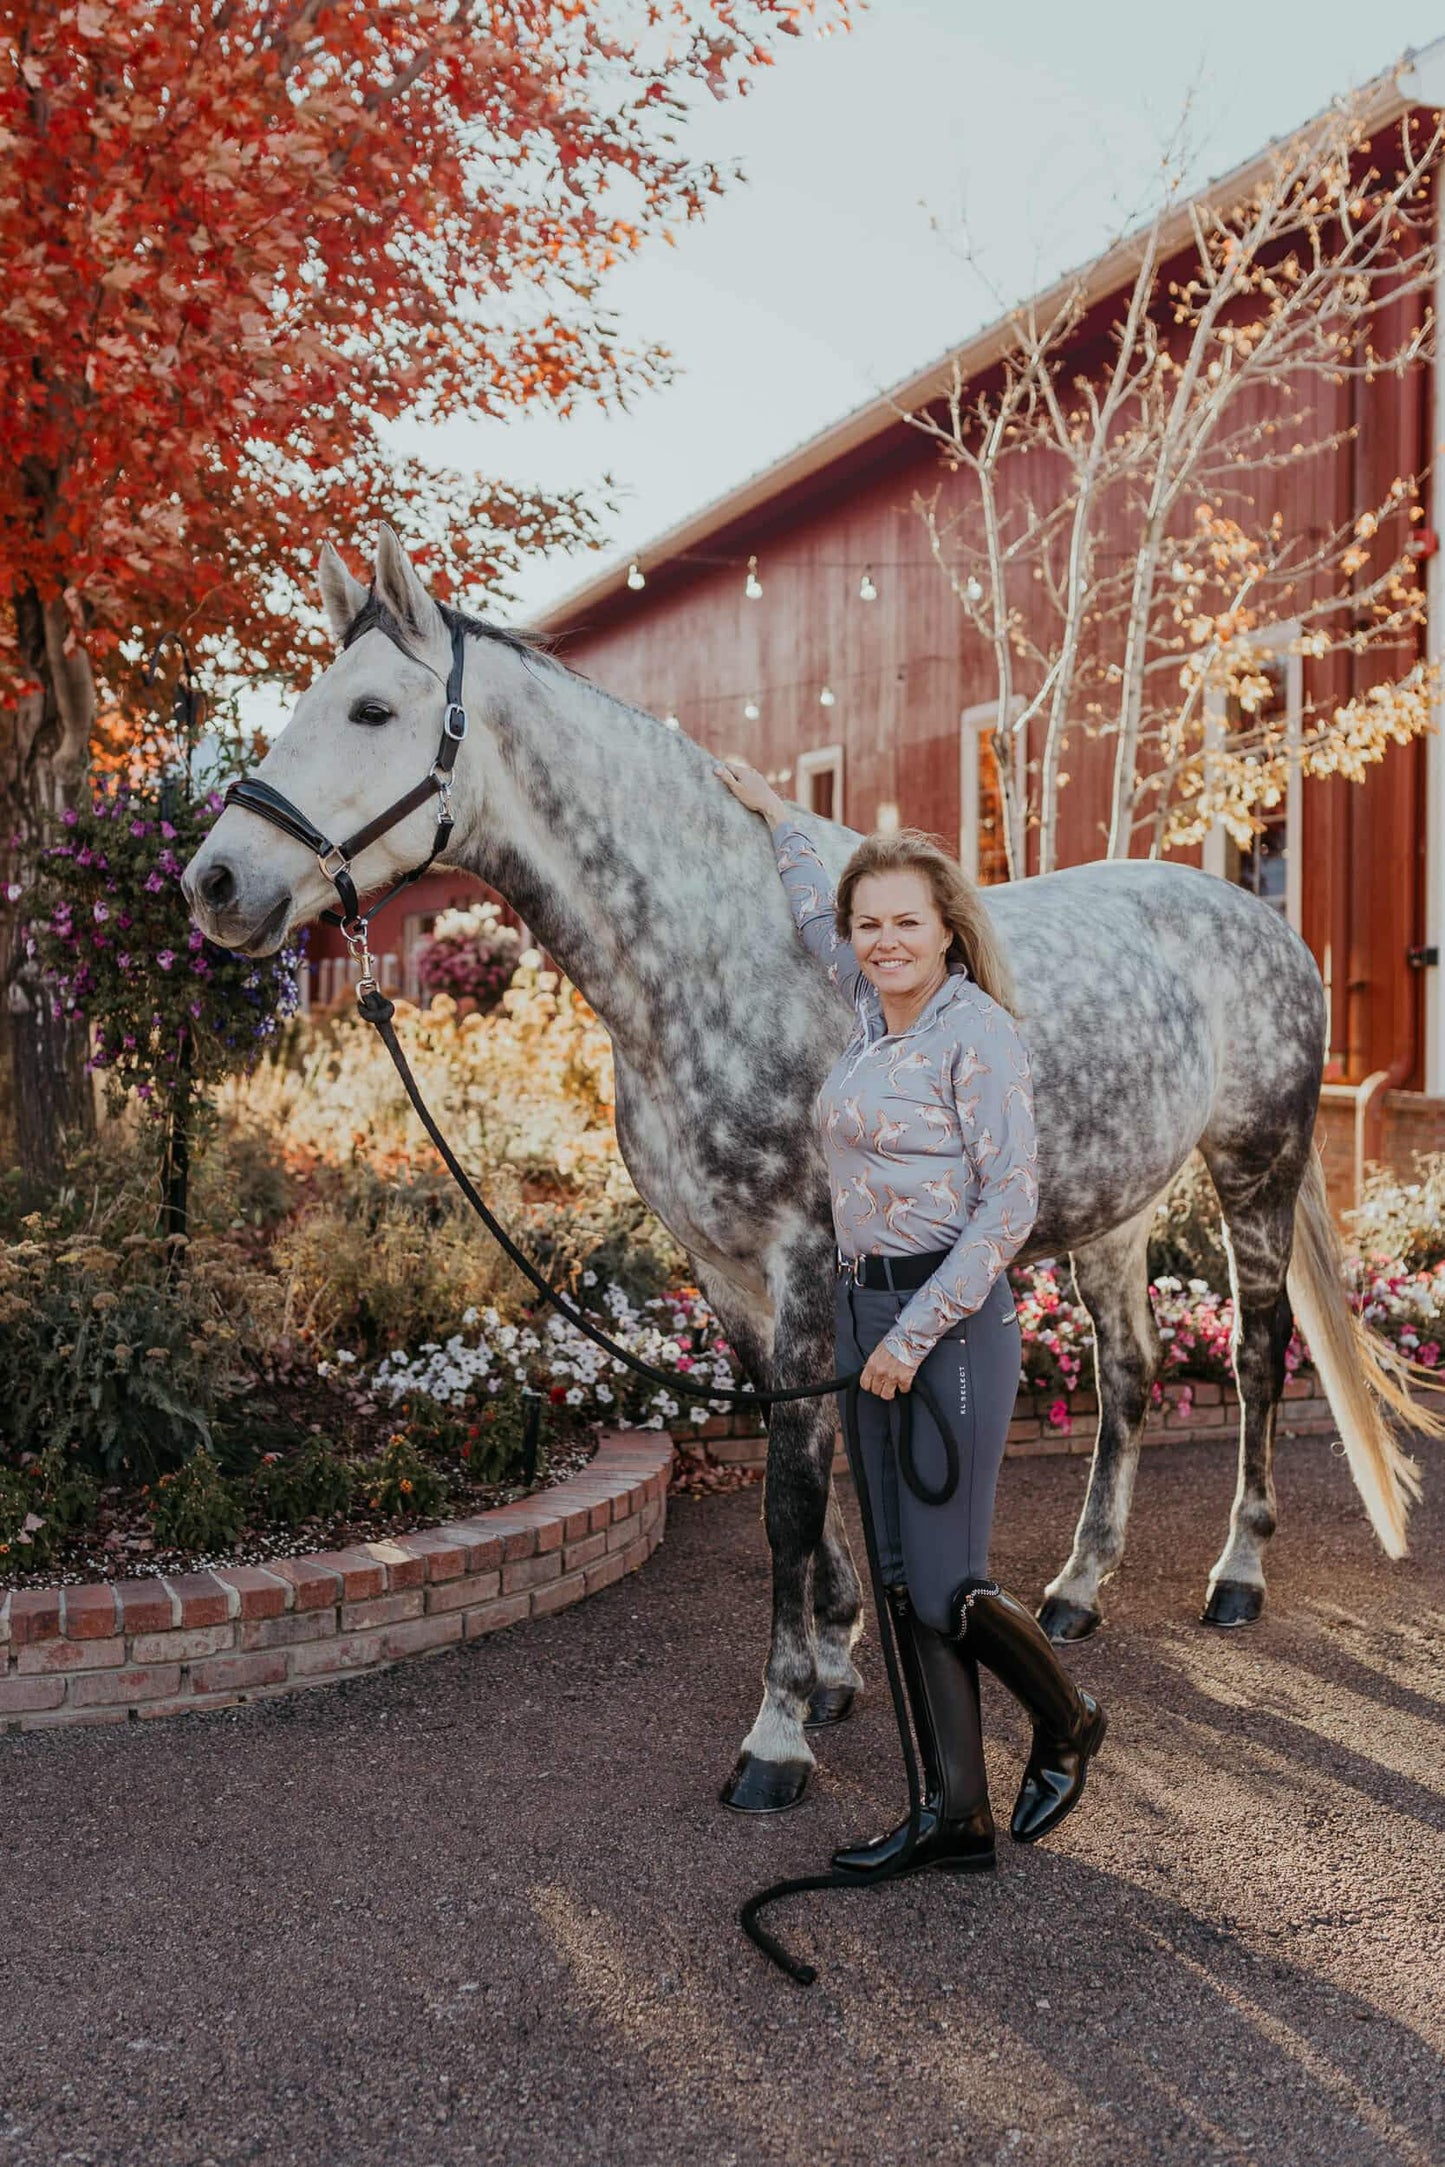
[
  {"x": 827, "y": 697},
  {"x": 670, "y": 722},
  {"x": 636, "y": 577},
  {"x": 752, "y": 710},
  {"x": 752, "y": 585},
  {"x": 974, "y": 590},
  {"x": 867, "y": 592}
]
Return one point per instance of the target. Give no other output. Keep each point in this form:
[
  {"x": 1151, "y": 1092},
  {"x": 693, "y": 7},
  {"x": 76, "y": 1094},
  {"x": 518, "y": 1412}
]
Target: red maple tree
[{"x": 240, "y": 237}]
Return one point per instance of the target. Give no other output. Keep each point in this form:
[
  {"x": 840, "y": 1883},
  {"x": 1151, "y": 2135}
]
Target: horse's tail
[{"x": 1363, "y": 1375}]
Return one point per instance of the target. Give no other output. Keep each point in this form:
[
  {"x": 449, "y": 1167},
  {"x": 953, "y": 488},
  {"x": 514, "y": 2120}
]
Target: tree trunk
[{"x": 44, "y": 762}]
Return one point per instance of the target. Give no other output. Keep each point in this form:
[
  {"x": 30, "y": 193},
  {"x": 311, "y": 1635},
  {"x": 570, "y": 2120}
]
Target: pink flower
[
  {"x": 166, "y": 958},
  {"x": 100, "y": 912},
  {"x": 1059, "y": 1417},
  {"x": 1429, "y": 1353}
]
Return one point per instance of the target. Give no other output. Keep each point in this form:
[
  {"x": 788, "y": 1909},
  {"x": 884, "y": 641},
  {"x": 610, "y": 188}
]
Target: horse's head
[{"x": 361, "y": 736}]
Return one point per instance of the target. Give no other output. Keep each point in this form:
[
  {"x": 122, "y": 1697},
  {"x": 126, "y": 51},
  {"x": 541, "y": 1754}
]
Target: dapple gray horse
[{"x": 1163, "y": 1010}]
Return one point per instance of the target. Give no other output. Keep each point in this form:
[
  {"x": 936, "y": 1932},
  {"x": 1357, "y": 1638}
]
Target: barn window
[
  {"x": 820, "y": 781},
  {"x": 1269, "y": 867},
  {"x": 982, "y": 846}
]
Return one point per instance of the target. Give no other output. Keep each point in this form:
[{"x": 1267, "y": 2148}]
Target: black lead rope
[{"x": 379, "y": 1012}]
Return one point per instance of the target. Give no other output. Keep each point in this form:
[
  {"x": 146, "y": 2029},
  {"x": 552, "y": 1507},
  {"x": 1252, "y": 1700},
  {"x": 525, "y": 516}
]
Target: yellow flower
[{"x": 406, "y": 1483}]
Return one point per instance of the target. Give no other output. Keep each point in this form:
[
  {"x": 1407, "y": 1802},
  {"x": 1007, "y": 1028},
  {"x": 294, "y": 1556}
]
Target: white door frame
[{"x": 824, "y": 759}]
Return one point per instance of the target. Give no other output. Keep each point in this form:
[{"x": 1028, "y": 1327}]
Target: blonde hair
[{"x": 975, "y": 944}]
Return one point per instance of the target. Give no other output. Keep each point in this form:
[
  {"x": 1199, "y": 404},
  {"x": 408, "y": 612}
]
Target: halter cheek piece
[{"x": 335, "y": 859}]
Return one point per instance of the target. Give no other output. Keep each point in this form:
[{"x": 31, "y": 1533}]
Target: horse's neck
[{"x": 607, "y": 833}]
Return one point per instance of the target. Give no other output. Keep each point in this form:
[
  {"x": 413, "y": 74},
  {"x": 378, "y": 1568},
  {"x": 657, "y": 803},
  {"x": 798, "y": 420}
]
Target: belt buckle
[{"x": 848, "y": 1266}]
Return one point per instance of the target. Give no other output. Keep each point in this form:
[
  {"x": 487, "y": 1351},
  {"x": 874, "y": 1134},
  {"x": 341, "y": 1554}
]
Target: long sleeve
[
  {"x": 993, "y": 1093},
  {"x": 810, "y": 894}
]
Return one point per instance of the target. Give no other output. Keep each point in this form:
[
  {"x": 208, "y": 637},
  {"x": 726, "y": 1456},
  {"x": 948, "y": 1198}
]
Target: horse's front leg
[
  {"x": 837, "y": 1619},
  {"x": 772, "y": 1769}
]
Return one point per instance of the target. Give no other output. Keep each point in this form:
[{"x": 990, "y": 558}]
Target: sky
[{"x": 904, "y": 182}]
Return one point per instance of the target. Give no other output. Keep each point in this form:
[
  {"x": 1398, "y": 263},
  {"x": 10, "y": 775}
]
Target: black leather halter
[{"x": 335, "y": 859}]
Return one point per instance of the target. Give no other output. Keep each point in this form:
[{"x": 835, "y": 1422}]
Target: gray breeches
[{"x": 973, "y": 1373}]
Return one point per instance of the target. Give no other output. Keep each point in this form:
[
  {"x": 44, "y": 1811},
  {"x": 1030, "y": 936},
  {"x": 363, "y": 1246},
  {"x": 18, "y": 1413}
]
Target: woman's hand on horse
[
  {"x": 749, "y": 788},
  {"x": 884, "y": 1374}
]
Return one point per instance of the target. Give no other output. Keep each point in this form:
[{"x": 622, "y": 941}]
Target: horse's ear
[
  {"x": 399, "y": 586},
  {"x": 341, "y": 595}
]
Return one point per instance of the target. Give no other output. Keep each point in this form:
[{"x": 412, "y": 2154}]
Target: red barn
[{"x": 855, "y": 681}]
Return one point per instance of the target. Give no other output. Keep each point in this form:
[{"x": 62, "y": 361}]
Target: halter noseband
[{"x": 335, "y": 859}]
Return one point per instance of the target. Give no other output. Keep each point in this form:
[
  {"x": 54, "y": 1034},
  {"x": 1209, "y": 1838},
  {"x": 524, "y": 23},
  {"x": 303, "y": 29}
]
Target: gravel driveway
[{"x": 482, "y": 1908}]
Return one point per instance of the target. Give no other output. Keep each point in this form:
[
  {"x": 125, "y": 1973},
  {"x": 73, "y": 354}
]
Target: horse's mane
[{"x": 374, "y": 616}]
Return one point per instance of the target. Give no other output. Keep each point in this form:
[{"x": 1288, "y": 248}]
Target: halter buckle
[
  {"x": 457, "y": 728},
  {"x": 333, "y": 861}
]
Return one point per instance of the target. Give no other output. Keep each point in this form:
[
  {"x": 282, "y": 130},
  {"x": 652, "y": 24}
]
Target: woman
[{"x": 928, "y": 1130}]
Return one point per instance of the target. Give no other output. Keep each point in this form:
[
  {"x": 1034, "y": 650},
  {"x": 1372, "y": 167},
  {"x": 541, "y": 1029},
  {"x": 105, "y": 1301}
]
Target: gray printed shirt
[{"x": 929, "y": 1132}]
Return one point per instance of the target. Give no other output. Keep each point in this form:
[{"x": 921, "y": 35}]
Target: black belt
[{"x": 899, "y": 1275}]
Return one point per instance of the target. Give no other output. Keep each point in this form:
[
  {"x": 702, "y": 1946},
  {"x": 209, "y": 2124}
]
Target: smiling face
[{"x": 898, "y": 934}]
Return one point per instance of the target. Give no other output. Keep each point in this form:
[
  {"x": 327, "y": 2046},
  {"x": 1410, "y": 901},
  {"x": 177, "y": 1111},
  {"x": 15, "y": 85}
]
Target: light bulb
[
  {"x": 752, "y": 710},
  {"x": 670, "y": 722},
  {"x": 867, "y": 592},
  {"x": 636, "y": 577},
  {"x": 974, "y": 590},
  {"x": 827, "y": 697},
  {"x": 752, "y": 585}
]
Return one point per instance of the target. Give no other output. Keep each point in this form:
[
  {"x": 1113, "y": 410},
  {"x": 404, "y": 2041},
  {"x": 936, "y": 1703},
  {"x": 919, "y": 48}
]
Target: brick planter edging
[
  {"x": 1212, "y": 1418},
  {"x": 114, "y": 1650}
]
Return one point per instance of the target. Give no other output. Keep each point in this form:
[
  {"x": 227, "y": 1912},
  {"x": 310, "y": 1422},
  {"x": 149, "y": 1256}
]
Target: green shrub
[
  {"x": 240, "y": 1178},
  {"x": 616, "y": 1238},
  {"x": 41, "y": 1503},
  {"x": 195, "y": 1508},
  {"x": 487, "y": 1442},
  {"x": 385, "y": 1263},
  {"x": 310, "y": 1483},
  {"x": 401, "y": 1481},
  {"x": 100, "y": 1352}
]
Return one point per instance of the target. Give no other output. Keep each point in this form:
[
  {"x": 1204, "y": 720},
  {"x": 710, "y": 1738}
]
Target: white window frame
[
  {"x": 983, "y": 715},
  {"x": 823, "y": 760},
  {"x": 1274, "y": 639}
]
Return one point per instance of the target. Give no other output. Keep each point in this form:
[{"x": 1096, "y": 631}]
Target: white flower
[
  {"x": 469, "y": 1316},
  {"x": 589, "y": 1279},
  {"x": 576, "y": 1396},
  {"x": 604, "y": 1393},
  {"x": 344, "y": 1354}
]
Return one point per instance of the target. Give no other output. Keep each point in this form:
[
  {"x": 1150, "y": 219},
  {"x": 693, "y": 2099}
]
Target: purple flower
[
  {"x": 123, "y": 961},
  {"x": 168, "y": 831},
  {"x": 100, "y": 912},
  {"x": 70, "y": 816},
  {"x": 154, "y": 884},
  {"x": 140, "y": 827},
  {"x": 195, "y": 938},
  {"x": 166, "y": 958}
]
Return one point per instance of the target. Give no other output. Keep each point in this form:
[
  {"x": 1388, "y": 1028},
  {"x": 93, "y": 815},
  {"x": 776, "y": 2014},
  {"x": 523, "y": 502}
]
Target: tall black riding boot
[
  {"x": 1069, "y": 1724},
  {"x": 955, "y": 1830}
]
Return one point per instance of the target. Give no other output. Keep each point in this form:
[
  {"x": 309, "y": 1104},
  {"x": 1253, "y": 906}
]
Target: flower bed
[{"x": 115, "y": 1652}]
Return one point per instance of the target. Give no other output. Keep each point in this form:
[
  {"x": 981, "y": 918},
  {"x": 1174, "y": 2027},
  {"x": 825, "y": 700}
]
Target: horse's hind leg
[
  {"x": 1258, "y": 1210},
  {"x": 836, "y": 1593},
  {"x": 1112, "y": 1278}
]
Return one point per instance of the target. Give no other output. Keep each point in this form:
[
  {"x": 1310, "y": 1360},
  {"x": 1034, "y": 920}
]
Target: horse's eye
[{"x": 371, "y": 712}]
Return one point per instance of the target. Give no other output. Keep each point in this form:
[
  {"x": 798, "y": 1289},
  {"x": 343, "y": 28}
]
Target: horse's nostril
[{"x": 217, "y": 885}]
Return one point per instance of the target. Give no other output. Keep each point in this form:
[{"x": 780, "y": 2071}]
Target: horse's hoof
[
  {"x": 1063, "y": 1620},
  {"x": 758, "y": 1786},
  {"x": 1232, "y": 1602},
  {"x": 829, "y": 1704}
]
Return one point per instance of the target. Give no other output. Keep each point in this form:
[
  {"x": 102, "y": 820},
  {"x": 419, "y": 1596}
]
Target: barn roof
[{"x": 1418, "y": 80}]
